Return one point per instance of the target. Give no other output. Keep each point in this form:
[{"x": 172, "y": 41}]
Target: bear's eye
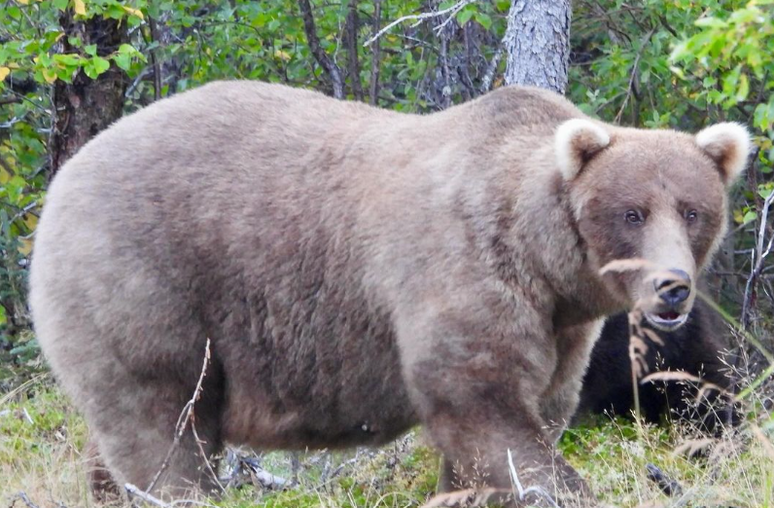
[
  {"x": 634, "y": 217},
  {"x": 691, "y": 215}
]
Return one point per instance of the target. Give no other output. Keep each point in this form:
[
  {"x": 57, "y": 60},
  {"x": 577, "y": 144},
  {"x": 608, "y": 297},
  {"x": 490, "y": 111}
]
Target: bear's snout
[
  {"x": 674, "y": 287},
  {"x": 671, "y": 300}
]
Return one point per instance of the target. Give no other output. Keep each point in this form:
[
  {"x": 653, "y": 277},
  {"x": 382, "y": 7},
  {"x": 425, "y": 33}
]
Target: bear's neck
[{"x": 543, "y": 240}]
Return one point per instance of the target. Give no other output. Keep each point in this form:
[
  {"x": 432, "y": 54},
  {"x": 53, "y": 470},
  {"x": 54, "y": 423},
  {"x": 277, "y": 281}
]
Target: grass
[{"x": 41, "y": 437}]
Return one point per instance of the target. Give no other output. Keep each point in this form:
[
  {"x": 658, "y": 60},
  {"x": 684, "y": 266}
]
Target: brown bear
[
  {"x": 697, "y": 348},
  {"x": 359, "y": 271}
]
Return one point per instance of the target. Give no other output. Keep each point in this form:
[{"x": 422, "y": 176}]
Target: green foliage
[{"x": 35, "y": 422}]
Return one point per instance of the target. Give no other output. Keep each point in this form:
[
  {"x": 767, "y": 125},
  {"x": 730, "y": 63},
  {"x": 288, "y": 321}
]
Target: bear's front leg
[
  {"x": 560, "y": 400},
  {"x": 476, "y": 376}
]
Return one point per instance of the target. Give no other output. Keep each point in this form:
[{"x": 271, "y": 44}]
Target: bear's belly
[
  {"x": 334, "y": 412},
  {"x": 329, "y": 382}
]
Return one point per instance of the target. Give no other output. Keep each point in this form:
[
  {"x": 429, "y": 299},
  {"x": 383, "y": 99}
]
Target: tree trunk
[
  {"x": 319, "y": 54},
  {"x": 537, "y": 42},
  {"x": 86, "y": 106},
  {"x": 375, "y": 56},
  {"x": 351, "y": 31}
]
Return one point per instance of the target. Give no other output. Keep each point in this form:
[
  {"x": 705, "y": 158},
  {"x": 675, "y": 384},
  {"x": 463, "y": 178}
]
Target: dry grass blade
[
  {"x": 692, "y": 446},
  {"x": 653, "y": 336},
  {"x": 22, "y": 388},
  {"x": 464, "y": 498},
  {"x": 680, "y": 376},
  {"x": 637, "y": 351},
  {"x": 709, "y": 387},
  {"x": 669, "y": 375},
  {"x": 626, "y": 265},
  {"x": 768, "y": 446}
]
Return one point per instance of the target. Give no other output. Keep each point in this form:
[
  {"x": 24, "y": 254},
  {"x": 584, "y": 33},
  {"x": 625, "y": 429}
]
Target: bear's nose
[{"x": 674, "y": 288}]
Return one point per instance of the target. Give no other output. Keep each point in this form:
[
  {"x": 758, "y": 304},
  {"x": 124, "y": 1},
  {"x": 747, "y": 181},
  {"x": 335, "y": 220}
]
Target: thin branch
[
  {"x": 352, "y": 28},
  {"x": 134, "y": 491},
  {"x": 9, "y": 100},
  {"x": 419, "y": 18},
  {"x": 520, "y": 492},
  {"x": 154, "y": 34},
  {"x": 322, "y": 58},
  {"x": 375, "y": 56},
  {"x": 186, "y": 416},
  {"x": 635, "y": 68},
  {"x": 26, "y": 500},
  {"x": 199, "y": 443},
  {"x": 486, "y": 82},
  {"x": 757, "y": 255},
  {"x": 764, "y": 220},
  {"x": 446, "y": 92}
]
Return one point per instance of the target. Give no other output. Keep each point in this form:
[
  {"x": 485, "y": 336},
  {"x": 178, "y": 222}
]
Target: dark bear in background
[{"x": 696, "y": 348}]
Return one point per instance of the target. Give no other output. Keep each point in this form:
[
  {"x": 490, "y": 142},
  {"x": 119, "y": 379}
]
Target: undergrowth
[{"x": 41, "y": 438}]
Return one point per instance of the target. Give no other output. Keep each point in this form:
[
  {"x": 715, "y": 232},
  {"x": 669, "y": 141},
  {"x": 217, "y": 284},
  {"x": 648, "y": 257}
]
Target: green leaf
[
  {"x": 744, "y": 88},
  {"x": 464, "y": 16},
  {"x": 503, "y": 5},
  {"x": 711, "y": 23},
  {"x": 101, "y": 64},
  {"x": 484, "y": 20},
  {"x": 68, "y": 59},
  {"x": 749, "y": 217},
  {"x": 761, "y": 118},
  {"x": 123, "y": 61}
]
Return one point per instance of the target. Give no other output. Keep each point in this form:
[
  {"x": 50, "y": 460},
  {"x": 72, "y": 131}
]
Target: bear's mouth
[{"x": 667, "y": 321}]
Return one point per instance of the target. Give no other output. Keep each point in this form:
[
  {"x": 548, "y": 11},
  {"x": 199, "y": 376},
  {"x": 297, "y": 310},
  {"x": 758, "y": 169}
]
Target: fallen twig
[
  {"x": 26, "y": 500},
  {"x": 242, "y": 466},
  {"x": 135, "y": 492}
]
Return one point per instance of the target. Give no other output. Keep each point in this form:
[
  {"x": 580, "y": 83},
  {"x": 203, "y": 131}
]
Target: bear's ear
[
  {"x": 728, "y": 144},
  {"x": 575, "y": 142}
]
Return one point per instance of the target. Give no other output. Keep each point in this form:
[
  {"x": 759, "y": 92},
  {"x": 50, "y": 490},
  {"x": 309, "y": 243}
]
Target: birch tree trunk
[{"x": 537, "y": 42}]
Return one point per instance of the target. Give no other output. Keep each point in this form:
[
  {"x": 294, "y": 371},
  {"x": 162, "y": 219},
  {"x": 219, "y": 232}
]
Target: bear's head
[{"x": 651, "y": 206}]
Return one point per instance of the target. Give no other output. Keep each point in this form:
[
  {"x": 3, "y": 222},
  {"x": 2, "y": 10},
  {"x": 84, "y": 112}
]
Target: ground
[{"x": 41, "y": 437}]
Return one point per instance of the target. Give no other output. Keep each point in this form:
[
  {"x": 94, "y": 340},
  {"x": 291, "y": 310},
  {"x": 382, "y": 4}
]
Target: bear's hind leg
[
  {"x": 101, "y": 483},
  {"x": 138, "y": 441}
]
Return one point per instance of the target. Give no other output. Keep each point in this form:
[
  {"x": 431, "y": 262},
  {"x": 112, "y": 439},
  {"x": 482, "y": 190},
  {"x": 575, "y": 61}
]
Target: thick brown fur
[{"x": 358, "y": 271}]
